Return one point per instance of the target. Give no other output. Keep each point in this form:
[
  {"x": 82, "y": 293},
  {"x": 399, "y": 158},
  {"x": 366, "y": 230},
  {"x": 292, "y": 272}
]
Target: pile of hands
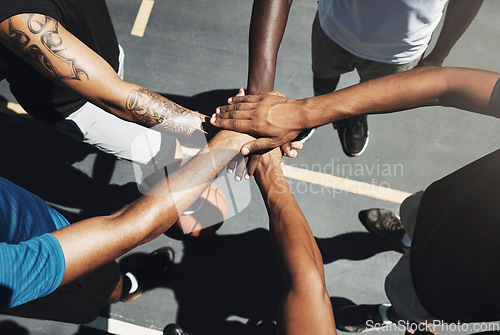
[{"x": 270, "y": 118}]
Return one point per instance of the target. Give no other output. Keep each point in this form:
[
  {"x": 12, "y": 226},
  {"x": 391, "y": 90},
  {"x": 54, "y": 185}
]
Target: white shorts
[{"x": 150, "y": 149}]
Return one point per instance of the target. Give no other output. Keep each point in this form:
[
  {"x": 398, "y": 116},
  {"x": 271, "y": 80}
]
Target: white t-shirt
[{"x": 388, "y": 31}]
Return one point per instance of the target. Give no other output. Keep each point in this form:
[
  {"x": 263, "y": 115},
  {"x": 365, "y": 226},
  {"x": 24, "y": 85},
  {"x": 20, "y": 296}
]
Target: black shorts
[{"x": 77, "y": 302}]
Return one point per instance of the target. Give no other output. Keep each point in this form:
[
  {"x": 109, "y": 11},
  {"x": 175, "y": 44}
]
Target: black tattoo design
[
  {"x": 151, "y": 109},
  {"x": 18, "y": 38},
  {"x": 47, "y": 30}
]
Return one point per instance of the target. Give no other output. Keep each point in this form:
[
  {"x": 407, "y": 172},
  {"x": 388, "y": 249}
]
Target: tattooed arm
[{"x": 49, "y": 47}]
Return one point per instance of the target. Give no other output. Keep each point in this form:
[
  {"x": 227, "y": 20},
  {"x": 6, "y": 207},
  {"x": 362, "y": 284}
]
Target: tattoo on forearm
[
  {"x": 151, "y": 109},
  {"x": 46, "y": 29}
]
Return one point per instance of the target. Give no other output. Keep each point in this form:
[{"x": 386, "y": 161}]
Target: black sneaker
[
  {"x": 145, "y": 276},
  {"x": 353, "y": 135},
  {"x": 174, "y": 329},
  {"x": 384, "y": 223},
  {"x": 359, "y": 318},
  {"x": 304, "y": 135}
]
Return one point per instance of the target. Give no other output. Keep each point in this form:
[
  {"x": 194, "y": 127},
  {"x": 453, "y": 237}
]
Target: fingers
[
  {"x": 240, "y": 168},
  {"x": 260, "y": 144},
  {"x": 288, "y": 150},
  {"x": 252, "y": 163},
  {"x": 232, "y": 164},
  {"x": 240, "y": 93},
  {"x": 279, "y": 94},
  {"x": 297, "y": 145},
  {"x": 241, "y": 126},
  {"x": 229, "y": 112}
]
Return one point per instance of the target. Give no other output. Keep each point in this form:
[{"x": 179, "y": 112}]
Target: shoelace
[{"x": 391, "y": 223}]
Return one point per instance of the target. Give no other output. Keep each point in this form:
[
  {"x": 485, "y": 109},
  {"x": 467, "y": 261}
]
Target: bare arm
[
  {"x": 276, "y": 118},
  {"x": 267, "y": 27},
  {"x": 93, "y": 242},
  {"x": 459, "y": 15},
  {"x": 305, "y": 307},
  {"x": 49, "y": 47}
]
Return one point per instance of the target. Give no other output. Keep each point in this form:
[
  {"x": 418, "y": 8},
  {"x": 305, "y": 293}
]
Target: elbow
[{"x": 311, "y": 282}]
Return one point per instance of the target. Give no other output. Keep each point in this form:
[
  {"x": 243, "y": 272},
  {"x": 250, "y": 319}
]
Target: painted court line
[
  {"x": 313, "y": 177},
  {"x": 333, "y": 182},
  {"x": 345, "y": 185},
  {"x": 16, "y": 108},
  {"x": 120, "y": 327},
  {"x": 141, "y": 21}
]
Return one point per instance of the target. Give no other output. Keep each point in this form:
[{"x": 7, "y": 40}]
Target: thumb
[
  {"x": 288, "y": 150},
  {"x": 241, "y": 92},
  {"x": 276, "y": 93},
  {"x": 257, "y": 145}
]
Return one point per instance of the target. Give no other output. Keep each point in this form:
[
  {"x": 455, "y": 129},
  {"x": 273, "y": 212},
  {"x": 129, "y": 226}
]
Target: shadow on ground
[
  {"x": 230, "y": 284},
  {"x": 225, "y": 284}
]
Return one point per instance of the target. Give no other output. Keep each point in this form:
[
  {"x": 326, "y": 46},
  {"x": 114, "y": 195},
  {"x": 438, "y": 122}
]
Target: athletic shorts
[
  {"x": 148, "y": 149},
  {"x": 329, "y": 60},
  {"x": 78, "y": 302},
  {"x": 399, "y": 284}
]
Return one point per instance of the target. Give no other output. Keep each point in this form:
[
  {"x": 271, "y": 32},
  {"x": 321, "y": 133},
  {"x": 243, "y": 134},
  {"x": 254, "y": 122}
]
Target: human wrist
[
  {"x": 328, "y": 108},
  {"x": 312, "y": 114},
  {"x": 258, "y": 89},
  {"x": 231, "y": 140},
  {"x": 260, "y": 84},
  {"x": 266, "y": 174}
]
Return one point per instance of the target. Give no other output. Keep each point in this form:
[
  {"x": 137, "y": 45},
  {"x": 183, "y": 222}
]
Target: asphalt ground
[{"x": 195, "y": 52}]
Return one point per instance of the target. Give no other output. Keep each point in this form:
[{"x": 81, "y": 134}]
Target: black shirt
[
  {"x": 455, "y": 253},
  {"x": 89, "y": 21}
]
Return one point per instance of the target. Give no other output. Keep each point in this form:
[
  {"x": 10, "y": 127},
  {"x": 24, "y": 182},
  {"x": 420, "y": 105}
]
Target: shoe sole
[
  {"x": 306, "y": 138},
  {"x": 135, "y": 297}
]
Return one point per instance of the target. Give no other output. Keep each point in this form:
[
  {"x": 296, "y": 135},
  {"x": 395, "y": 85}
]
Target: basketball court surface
[{"x": 195, "y": 52}]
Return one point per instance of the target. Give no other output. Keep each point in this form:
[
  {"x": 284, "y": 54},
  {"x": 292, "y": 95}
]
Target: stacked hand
[{"x": 272, "y": 118}]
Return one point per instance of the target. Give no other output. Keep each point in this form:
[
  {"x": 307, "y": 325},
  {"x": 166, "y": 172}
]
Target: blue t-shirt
[{"x": 31, "y": 259}]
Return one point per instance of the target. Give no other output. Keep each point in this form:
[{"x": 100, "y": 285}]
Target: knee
[{"x": 324, "y": 85}]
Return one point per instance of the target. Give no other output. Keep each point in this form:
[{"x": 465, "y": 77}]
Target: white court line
[
  {"x": 313, "y": 177},
  {"x": 16, "y": 108},
  {"x": 120, "y": 327},
  {"x": 337, "y": 183},
  {"x": 345, "y": 185},
  {"x": 141, "y": 21}
]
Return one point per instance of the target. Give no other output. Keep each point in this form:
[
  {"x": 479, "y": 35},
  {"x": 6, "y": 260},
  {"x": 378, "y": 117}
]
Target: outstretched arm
[
  {"x": 267, "y": 27},
  {"x": 278, "y": 118},
  {"x": 459, "y": 15},
  {"x": 93, "y": 242},
  {"x": 305, "y": 307},
  {"x": 55, "y": 52}
]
